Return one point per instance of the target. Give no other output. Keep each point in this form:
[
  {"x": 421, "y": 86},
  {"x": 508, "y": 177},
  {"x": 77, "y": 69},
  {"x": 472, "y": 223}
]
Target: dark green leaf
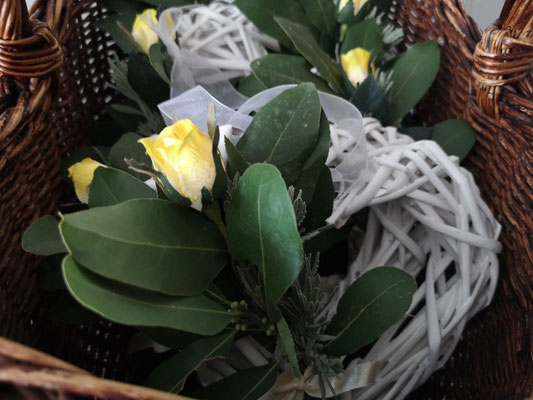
[
  {"x": 127, "y": 122},
  {"x": 149, "y": 243},
  {"x": 145, "y": 81},
  {"x": 314, "y": 164},
  {"x": 280, "y": 69},
  {"x": 365, "y": 34},
  {"x": 288, "y": 344},
  {"x": 126, "y": 148},
  {"x": 370, "y": 306},
  {"x": 321, "y": 205},
  {"x": 171, "y": 375},
  {"x": 348, "y": 16},
  {"x": 120, "y": 33},
  {"x": 308, "y": 46},
  {"x": 284, "y": 131},
  {"x": 251, "y": 85},
  {"x": 456, "y": 137},
  {"x": 249, "y": 384},
  {"x": 370, "y": 99},
  {"x": 171, "y": 338},
  {"x": 262, "y": 14},
  {"x": 413, "y": 74},
  {"x": 111, "y": 186},
  {"x": 131, "y": 306},
  {"x": 236, "y": 161},
  {"x": 42, "y": 237},
  {"x": 321, "y": 13},
  {"x": 158, "y": 62},
  {"x": 221, "y": 180},
  {"x": 262, "y": 229},
  {"x": 382, "y": 6},
  {"x": 417, "y": 132}
]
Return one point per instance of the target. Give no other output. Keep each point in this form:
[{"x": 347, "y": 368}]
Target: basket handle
[
  {"x": 28, "y": 49},
  {"x": 496, "y": 62}
]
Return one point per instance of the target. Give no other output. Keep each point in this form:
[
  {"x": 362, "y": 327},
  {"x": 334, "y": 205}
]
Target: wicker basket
[{"x": 53, "y": 84}]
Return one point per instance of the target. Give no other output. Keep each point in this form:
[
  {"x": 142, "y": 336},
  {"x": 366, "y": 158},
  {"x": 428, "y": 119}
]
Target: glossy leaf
[
  {"x": 284, "y": 131},
  {"x": 365, "y": 34},
  {"x": 321, "y": 13},
  {"x": 251, "y": 85},
  {"x": 281, "y": 69},
  {"x": 320, "y": 207},
  {"x": 248, "y": 384},
  {"x": 261, "y": 228},
  {"x": 43, "y": 238},
  {"x": 236, "y": 162},
  {"x": 170, "y": 376},
  {"x": 131, "y": 306},
  {"x": 111, "y": 186},
  {"x": 370, "y": 306},
  {"x": 370, "y": 99},
  {"x": 456, "y": 137},
  {"x": 308, "y": 47},
  {"x": 149, "y": 243},
  {"x": 413, "y": 74}
]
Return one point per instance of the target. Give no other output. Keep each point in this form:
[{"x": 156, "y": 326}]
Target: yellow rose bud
[
  {"x": 356, "y": 65},
  {"x": 357, "y": 5},
  {"x": 143, "y": 30},
  {"x": 184, "y": 155},
  {"x": 82, "y": 174}
]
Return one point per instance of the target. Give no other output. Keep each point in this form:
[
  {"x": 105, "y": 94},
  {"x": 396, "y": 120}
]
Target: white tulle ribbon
[{"x": 347, "y": 158}]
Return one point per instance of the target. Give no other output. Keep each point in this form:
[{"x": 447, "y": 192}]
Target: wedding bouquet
[{"x": 214, "y": 235}]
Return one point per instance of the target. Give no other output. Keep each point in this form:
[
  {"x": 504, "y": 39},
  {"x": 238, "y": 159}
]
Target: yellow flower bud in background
[
  {"x": 356, "y": 65},
  {"x": 82, "y": 174},
  {"x": 357, "y": 5},
  {"x": 143, "y": 30},
  {"x": 184, "y": 155}
]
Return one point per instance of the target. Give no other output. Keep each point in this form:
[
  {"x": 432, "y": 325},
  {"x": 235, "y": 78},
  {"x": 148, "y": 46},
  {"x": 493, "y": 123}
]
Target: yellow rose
[
  {"x": 184, "y": 155},
  {"x": 143, "y": 30},
  {"x": 356, "y": 65},
  {"x": 82, "y": 174},
  {"x": 357, "y": 5}
]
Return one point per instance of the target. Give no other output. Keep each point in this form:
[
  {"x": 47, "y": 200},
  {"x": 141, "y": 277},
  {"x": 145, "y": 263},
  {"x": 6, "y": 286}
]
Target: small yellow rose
[
  {"x": 356, "y": 65},
  {"x": 357, "y": 5},
  {"x": 184, "y": 155},
  {"x": 82, "y": 174},
  {"x": 144, "y": 29}
]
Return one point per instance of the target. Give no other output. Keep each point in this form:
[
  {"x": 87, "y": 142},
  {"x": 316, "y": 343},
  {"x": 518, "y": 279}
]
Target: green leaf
[
  {"x": 170, "y": 376},
  {"x": 221, "y": 180},
  {"x": 308, "y": 46},
  {"x": 248, "y": 384},
  {"x": 456, "y": 137},
  {"x": 171, "y": 338},
  {"x": 288, "y": 344},
  {"x": 413, "y": 74},
  {"x": 365, "y": 34},
  {"x": 126, "y": 148},
  {"x": 131, "y": 306},
  {"x": 320, "y": 207},
  {"x": 145, "y": 81},
  {"x": 370, "y": 306},
  {"x": 321, "y": 13},
  {"x": 284, "y": 131},
  {"x": 42, "y": 237},
  {"x": 261, "y": 228},
  {"x": 262, "y": 13},
  {"x": 111, "y": 186},
  {"x": 417, "y": 132},
  {"x": 316, "y": 161},
  {"x": 158, "y": 62},
  {"x": 280, "y": 69},
  {"x": 119, "y": 33},
  {"x": 251, "y": 85},
  {"x": 370, "y": 99},
  {"x": 149, "y": 243},
  {"x": 236, "y": 161}
]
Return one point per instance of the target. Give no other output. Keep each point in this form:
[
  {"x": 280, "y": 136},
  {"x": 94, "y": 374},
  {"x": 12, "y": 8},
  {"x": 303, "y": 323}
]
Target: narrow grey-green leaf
[
  {"x": 370, "y": 306},
  {"x": 281, "y": 69},
  {"x": 111, "y": 186},
  {"x": 131, "y": 306},
  {"x": 248, "y": 384},
  {"x": 413, "y": 74},
  {"x": 308, "y": 46},
  {"x": 288, "y": 344},
  {"x": 321, "y": 13},
  {"x": 149, "y": 243},
  {"x": 170, "y": 376},
  {"x": 43, "y": 238},
  {"x": 284, "y": 131},
  {"x": 262, "y": 229},
  {"x": 456, "y": 137}
]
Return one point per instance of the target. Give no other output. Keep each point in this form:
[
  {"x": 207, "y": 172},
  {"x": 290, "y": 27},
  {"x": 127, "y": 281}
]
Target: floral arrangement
[{"x": 199, "y": 237}]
